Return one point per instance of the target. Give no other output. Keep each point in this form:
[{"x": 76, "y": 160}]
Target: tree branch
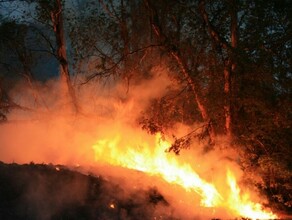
[{"x": 107, "y": 70}]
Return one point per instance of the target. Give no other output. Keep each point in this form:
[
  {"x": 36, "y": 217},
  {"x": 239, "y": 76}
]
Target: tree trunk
[
  {"x": 173, "y": 52},
  {"x": 198, "y": 100},
  {"x": 227, "y": 101},
  {"x": 66, "y": 86},
  {"x": 230, "y": 69},
  {"x": 230, "y": 63},
  {"x": 126, "y": 45}
]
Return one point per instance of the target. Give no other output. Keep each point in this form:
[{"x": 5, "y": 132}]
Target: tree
[
  {"x": 57, "y": 21},
  {"x": 50, "y": 13},
  {"x": 16, "y": 62},
  {"x": 174, "y": 51},
  {"x": 247, "y": 44},
  {"x": 252, "y": 62}
]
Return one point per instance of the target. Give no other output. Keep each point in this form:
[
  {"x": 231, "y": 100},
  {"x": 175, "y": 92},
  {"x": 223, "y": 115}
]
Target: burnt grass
[{"x": 40, "y": 191}]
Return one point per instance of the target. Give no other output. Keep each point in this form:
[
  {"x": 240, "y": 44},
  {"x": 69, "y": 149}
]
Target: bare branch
[
  {"x": 211, "y": 29},
  {"x": 107, "y": 70}
]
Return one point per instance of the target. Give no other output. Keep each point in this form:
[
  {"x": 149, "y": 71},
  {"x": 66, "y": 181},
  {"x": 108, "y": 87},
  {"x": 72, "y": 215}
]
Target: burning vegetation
[
  {"x": 113, "y": 145},
  {"x": 186, "y": 116}
]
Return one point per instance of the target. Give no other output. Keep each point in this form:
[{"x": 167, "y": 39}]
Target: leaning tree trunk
[
  {"x": 229, "y": 63},
  {"x": 66, "y": 86},
  {"x": 173, "y": 52}
]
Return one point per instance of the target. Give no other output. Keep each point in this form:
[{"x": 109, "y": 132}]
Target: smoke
[{"x": 48, "y": 132}]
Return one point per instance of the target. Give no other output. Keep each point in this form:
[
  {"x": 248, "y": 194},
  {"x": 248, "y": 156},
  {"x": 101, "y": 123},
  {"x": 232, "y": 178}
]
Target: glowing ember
[{"x": 157, "y": 162}]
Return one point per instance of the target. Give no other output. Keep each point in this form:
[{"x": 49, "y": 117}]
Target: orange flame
[
  {"x": 157, "y": 162},
  {"x": 242, "y": 205}
]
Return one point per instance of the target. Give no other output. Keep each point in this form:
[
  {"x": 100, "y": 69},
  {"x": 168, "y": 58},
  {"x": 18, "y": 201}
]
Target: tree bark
[
  {"x": 229, "y": 63},
  {"x": 227, "y": 101},
  {"x": 173, "y": 52},
  {"x": 66, "y": 86},
  {"x": 233, "y": 64}
]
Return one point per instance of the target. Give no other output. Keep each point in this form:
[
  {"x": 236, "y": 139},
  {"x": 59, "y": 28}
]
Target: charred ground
[{"x": 39, "y": 191}]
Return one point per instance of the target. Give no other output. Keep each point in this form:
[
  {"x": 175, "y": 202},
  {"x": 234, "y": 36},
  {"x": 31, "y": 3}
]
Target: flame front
[
  {"x": 157, "y": 162},
  {"x": 242, "y": 205}
]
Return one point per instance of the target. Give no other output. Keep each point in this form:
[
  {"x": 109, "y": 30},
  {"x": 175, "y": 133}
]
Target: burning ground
[{"x": 146, "y": 181}]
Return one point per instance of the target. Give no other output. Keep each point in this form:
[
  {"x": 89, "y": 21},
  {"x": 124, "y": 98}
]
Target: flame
[
  {"x": 157, "y": 162},
  {"x": 242, "y": 205}
]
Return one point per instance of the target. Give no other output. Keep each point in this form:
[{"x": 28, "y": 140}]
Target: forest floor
[{"x": 39, "y": 191}]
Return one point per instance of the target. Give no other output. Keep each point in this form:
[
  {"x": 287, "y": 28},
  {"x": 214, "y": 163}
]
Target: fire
[
  {"x": 242, "y": 205},
  {"x": 157, "y": 162}
]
